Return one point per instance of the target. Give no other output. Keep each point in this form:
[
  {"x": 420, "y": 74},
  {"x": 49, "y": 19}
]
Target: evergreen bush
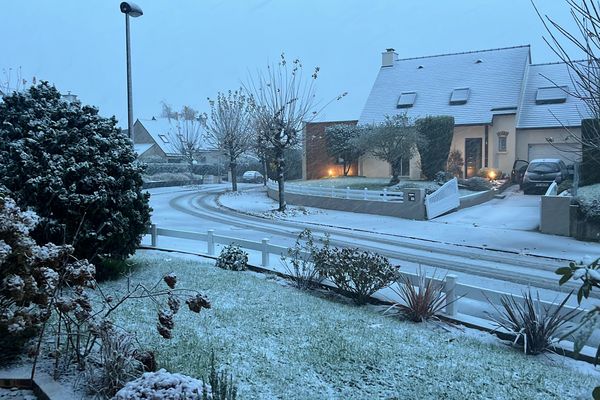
[
  {"x": 437, "y": 132},
  {"x": 76, "y": 170},
  {"x": 233, "y": 258},
  {"x": 359, "y": 273}
]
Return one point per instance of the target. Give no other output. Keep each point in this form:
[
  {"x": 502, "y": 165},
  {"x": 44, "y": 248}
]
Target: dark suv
[{"x": 541, "y": 173}]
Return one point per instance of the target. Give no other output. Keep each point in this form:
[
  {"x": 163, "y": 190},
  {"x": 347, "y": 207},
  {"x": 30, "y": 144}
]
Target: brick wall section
[{"x": 318, "y": 161}]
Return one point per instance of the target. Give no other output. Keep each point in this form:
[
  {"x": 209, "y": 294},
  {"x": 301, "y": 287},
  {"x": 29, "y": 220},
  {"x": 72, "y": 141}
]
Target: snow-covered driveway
[{"x": 515, "y": 211}]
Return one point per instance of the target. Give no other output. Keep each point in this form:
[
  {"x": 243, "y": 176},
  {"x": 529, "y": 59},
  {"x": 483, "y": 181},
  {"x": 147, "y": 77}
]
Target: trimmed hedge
[
  {"x": 434, "y": 150},
  {"x": 590, "y": 161}
]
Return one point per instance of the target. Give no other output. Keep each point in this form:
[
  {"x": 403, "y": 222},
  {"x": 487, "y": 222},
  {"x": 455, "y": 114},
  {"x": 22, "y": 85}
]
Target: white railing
[
  {"x": 444, "y": 199},
  {"x": 341, "y": 193},
  {"x": 455, "y": 292}
]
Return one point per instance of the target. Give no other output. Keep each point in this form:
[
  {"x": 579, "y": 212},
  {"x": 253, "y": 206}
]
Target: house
[
  {"x": 504, "y": 107},
  {"x": 155, "y": 139},
  {"x": 316, "y": 161}
]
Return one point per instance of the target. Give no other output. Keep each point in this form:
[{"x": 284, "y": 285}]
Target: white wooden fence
[
  {"x": 343, "y": 193},
  {"x": 455, "y": 292},
  {"x": 444, "y": 199}
]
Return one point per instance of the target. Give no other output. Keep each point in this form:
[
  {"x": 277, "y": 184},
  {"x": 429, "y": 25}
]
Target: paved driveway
[{"x": 515, "y": 211}]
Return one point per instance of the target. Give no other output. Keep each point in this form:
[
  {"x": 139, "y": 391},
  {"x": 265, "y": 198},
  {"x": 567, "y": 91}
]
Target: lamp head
[{"x": 131, "y": 9}]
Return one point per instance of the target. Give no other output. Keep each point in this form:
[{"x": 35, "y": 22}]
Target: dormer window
[
  {"x": 459, "y": 96},
  {"x": 164, "y": 138},
  {"x": 551, "y": 95},
  {"x": 406, "y": 99}
]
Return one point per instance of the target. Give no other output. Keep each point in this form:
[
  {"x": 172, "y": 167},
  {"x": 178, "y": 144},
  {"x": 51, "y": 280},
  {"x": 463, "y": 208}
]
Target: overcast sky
[{"x": 184, "y": 51}]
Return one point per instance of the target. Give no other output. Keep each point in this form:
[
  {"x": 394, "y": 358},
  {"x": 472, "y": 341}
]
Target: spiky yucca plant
[
  {"x": 421, "y": 302},
  {"x": 534, "y": 326}
]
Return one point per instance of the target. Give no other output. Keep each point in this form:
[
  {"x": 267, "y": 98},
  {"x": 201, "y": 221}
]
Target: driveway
[{"x": 515, "y": 211}]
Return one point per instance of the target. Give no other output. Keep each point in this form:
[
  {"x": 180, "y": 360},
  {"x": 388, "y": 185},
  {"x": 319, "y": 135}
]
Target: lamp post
[{"x": 129, "y": 9}]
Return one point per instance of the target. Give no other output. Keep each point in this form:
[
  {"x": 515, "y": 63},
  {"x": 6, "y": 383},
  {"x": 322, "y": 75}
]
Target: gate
[{"x": 444, "y": 199}]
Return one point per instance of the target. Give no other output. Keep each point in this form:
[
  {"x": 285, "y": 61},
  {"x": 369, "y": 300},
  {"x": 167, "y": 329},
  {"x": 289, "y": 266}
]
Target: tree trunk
[
  {"x": 233, "y": 169},
  {"x": 280, "y": 161},
  {"x": 395, "y": 174},
  {"x": 265, "y": 172},
  {"x": 346, "y": 167}
]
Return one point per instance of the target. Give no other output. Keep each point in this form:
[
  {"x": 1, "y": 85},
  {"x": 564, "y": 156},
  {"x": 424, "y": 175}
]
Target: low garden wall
[
  {"x": 412, "y": 207},
  {"x": 158, "y": 184}
]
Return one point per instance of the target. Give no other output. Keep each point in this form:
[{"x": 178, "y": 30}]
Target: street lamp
[{"x": 129, "y": 9}]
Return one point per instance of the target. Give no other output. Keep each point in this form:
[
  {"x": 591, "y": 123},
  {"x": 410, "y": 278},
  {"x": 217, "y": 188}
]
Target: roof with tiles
[
  {"x": 569, "y": 111},
  {"x": 494, "y": 79}
]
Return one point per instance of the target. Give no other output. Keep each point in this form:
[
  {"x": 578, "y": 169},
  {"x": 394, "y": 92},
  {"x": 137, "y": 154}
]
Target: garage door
[{"x": 569, "y": 153}]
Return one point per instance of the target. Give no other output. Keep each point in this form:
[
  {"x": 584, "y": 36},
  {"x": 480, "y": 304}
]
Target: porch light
[{"x": 492, "y": 175}]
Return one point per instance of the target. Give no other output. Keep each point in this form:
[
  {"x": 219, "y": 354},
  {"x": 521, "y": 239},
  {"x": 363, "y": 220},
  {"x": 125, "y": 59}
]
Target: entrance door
[{"x": 472, "y": 156}]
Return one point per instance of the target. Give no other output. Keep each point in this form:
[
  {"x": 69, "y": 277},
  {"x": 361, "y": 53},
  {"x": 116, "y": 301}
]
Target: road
[{"x": 197, "y": 210}]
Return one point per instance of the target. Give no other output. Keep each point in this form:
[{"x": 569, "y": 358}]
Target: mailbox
[{"x": 411, "y": 196}]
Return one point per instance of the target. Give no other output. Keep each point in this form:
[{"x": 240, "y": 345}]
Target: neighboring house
[
  {"x": 316, "y": 161},
  {"x": 153, "y": 139},
  {"x": 504, "y": 107}
]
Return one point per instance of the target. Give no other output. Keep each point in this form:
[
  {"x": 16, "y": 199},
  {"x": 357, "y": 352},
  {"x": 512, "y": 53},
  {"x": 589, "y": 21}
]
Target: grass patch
[{"x": 282, "y": 343}]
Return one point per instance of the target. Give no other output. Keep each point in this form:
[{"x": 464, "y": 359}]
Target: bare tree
[
  {"x": 230, "y": 127},
  {"x": 585, "y": 73},
  {"x": 284, "y": 101},
  {"x": 187, "y": 138},
  {"x": 12, "y": 81}
]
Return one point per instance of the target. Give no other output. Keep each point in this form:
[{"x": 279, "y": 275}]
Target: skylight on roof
[
  {"x": 551, "y": 95},
  {"x": 406, "y": 99},
  {"x": 164, "y": 138},
  {"x": 459, "y": 96}
]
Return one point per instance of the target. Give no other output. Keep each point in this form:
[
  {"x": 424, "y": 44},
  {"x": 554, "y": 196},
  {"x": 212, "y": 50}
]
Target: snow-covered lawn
[{"x": 281, "y": 343}]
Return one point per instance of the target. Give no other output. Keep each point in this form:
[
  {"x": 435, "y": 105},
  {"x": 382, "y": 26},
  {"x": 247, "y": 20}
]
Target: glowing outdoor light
[{"x": 492, "y": 175}]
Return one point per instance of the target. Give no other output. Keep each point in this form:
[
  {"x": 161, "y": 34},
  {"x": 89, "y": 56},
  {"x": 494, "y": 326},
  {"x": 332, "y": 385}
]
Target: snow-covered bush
[
  {"x": 31, "y": 277},
  {"x": 358, "y": 273},
  {"x": 299, "y": 264},
  {"x": 476, "y": 184},
  {"x": 76, "y": 170},
  {"x": 588, "y": 198},
  {"x": 233, "y": 258},
  {"x": 161, "y": 385}
]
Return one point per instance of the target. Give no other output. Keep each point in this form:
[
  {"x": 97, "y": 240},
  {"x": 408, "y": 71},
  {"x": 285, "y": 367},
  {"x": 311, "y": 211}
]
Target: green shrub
[
  {"x": 434, "y": 150},
  {"x": 222, "y": 387},
  {"x": 564, "y": 185},
  {"x": 590, "y": 155},
  {"x": 183, "y": 168},
  {"x": 233, "y": 258},
  {"x": 455, "y": 163},
  {"x": 76, "y": 170},
  {"x": 358, "y": 273}
]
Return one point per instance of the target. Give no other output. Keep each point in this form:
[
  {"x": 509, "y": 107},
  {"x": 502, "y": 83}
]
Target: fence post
[
  {"x": 347, "y": 192},
  {"x": 450, "y": 289},
  {"x": 210, "y": 242},
  {"x": 154, "y": 233},
  {"x": 265, "y": 252},
  {"x": 365, "y": 194},
  {"x": 384, "y": 194}
]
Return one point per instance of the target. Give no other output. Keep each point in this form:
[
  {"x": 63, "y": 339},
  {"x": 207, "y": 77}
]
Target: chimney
[{"x": 388, "y": 57}]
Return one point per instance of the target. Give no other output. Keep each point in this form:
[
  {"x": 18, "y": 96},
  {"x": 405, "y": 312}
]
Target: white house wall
[{"x": 502, "y": 160}]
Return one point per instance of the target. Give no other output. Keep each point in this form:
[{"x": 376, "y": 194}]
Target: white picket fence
[
  {"x": 343, "y": 193},
  {"x": 455, "y": 292},
  {"x": 445, "y": 199}
]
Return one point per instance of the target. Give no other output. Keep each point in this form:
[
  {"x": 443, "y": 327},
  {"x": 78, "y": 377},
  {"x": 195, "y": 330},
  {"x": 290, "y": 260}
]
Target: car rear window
[{"x": 544, "y": 167}]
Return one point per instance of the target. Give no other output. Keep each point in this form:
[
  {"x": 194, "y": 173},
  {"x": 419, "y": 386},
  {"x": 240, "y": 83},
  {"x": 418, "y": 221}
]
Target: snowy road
[{"x": 197, "y": 210}]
